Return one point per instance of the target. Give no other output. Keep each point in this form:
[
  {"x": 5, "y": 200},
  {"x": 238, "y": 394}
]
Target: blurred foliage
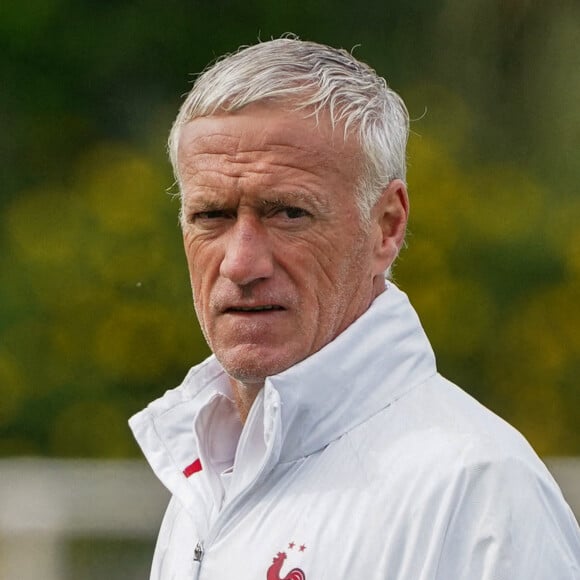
[{"x": 95, "y": 309}]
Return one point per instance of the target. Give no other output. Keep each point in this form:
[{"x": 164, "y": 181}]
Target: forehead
[{"x": 271, "y": 134}]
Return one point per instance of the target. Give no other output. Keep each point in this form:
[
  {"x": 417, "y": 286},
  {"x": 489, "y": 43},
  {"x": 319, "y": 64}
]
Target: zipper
[
  {"x": 197, "y": 558},
  {"x": 225, "y": 514}
]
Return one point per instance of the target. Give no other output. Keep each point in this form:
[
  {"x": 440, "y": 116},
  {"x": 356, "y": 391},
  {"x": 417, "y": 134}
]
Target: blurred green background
[{"x": 95, "y": 310}]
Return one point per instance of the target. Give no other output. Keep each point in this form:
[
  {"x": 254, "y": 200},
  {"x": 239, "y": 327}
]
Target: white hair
[{"x": 307, "y": 75}]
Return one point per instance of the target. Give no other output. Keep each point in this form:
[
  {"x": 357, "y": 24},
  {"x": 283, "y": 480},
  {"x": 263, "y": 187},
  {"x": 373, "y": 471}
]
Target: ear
[{"x": 389, "y": 222}]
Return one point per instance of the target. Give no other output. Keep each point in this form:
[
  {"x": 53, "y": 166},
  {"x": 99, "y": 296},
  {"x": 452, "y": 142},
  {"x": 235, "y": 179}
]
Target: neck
[{"x": 244, "y": 396}]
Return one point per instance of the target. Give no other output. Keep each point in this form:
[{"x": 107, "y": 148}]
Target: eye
[
  {"x": 290, "y": 212},
  {"x": 208, "y": 216},
  {"x": 294, "y": 212}
]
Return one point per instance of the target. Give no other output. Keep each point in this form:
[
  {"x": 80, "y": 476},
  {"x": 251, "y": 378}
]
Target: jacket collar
[
  {"x": 382, "y": 355},
  {"x": 375, "y": 361}
]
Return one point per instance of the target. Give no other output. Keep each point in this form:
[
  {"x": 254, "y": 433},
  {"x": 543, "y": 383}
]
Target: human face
[{"x": 278, "y": 260}]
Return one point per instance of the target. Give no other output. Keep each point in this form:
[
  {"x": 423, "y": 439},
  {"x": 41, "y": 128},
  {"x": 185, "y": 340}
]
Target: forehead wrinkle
[
  {"x": 279, "y": 141},
  {"x": 244, "y": 165},
  {"x": 212, "y": 143},
  {"x": 224, "y": 154}
]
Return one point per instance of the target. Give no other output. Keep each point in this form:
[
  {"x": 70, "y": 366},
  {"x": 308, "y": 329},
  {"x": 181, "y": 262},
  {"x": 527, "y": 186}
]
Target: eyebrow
[
  {"x": 266, "y": 200},
  {"x": 290, "y": 197}
]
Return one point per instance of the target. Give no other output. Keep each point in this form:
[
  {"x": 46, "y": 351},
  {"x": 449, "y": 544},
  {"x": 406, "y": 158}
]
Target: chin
[{"x": 254, "y": 368}]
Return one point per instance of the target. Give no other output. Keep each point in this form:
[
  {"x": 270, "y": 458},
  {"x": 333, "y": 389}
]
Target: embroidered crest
[{"x": 274, "y": 571}]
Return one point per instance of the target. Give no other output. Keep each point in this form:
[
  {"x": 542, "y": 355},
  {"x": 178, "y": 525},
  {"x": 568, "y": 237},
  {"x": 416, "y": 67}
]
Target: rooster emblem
[{"x": 276, "y": 567}]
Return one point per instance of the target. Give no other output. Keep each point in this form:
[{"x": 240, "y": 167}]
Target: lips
[{"x": 250, "y": 309}]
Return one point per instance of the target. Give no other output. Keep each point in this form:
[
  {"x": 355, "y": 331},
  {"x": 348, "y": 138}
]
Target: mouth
[{"x": 254, "y": 309}]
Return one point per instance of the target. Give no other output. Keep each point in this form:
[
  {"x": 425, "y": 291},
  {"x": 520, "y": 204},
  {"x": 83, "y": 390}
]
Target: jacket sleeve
[{"x": 509, "y": 521}]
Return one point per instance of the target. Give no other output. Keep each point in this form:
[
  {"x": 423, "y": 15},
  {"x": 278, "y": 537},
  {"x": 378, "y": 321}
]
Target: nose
[{"x": 248, "y": 255}]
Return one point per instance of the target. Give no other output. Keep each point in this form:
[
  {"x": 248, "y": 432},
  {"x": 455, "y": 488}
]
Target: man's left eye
[{"x": 294, "y": 212}]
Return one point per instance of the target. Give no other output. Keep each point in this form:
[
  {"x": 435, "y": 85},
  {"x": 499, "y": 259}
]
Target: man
[{"x": 319, "y": 441}]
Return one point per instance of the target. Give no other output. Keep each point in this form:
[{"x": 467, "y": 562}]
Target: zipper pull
[{"x": 197, "y": 557}]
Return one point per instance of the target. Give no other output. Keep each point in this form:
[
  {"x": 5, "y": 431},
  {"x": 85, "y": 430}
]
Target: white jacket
[{"x": 360, "y": 462}]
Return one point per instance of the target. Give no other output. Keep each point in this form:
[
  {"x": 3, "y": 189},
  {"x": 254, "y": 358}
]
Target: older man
[{"x": 319, "y": 441}]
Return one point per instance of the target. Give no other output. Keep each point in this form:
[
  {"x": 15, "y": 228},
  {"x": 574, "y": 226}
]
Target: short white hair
[{"x": 316, "y": 77}]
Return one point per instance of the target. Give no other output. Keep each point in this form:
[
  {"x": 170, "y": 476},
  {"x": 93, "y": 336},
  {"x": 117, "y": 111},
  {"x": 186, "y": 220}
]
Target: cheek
[
  {"x": 341, "y": 265},
  {"x": 322, "y": 290},
  {"x": 199, "y": 254},
  {"x": 348, "y": 272},
  {"x": 318, "y": 259},
  {"x": 201, "y": 293},
  {"x": 199, "y": 273},
  {"x": 201, "y": 285}
]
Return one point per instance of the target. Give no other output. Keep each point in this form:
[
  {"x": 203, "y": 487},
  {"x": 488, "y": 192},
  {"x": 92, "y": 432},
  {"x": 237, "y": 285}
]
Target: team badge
[{"x": 275, "y": 570}]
